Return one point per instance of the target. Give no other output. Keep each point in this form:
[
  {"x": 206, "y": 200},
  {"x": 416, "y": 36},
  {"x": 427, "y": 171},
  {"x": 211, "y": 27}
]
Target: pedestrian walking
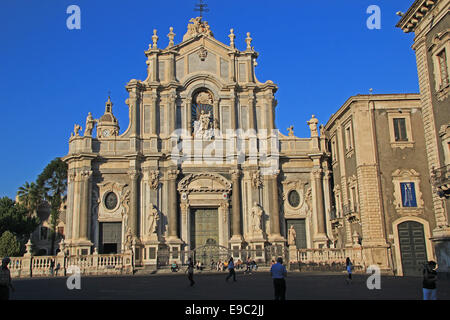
[
  {"x": 279, "y": 273},
  {"x": 249, "y": 266},
  {"x": 190, "y": 271},
  {"x": 5, "y": 280},
  {"x": 52, "y": 267},
  {"x": 231, "y": 270},
  {"x": 429, "y": 281},
  {"x": 349, "y": 268}
]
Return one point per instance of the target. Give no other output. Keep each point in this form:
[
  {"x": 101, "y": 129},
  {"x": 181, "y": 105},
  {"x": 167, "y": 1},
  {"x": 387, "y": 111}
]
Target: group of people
[{"x": 278, "y": 272}]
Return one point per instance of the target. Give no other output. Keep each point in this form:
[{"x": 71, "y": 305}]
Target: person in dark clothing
[
  {"x": 429, "y": 281},
  {"x": 278, "y": 273},
  {"x": 231, "y": 270},
  {"x": 5, "y": 280},
  {"x": 190, "y": 271}
]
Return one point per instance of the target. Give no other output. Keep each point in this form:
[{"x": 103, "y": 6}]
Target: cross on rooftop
[{"x": 201, "y": 7}]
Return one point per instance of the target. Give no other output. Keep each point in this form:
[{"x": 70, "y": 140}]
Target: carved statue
[
  {"x": 129, "y": 240},
  {"x": 291, "y": 131},
  {"x": 257, "y": 214},
  {"x": 256, "y": 179},
  {"x": 154, "y": 179},
  {"x": 77, "y": 128},
  {"x": 202, "y": 126},
  {"x": 205, "y": 120},
  {"x": 313, "y": 126},
  {"x": 197, "y": 26},
  {"x": 292, "y": 236},
  {"x": 153, "y": 219},
  {"x": 90, "y": 122}
]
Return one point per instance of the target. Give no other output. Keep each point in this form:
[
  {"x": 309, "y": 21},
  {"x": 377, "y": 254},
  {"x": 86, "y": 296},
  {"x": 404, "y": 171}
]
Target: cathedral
[{"x": 201, "y": 162}]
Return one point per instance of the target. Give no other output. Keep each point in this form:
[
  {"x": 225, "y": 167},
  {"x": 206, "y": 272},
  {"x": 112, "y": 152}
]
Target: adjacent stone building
[
  {"x": 430, "y": 22},
  {"x": 201, "y": 162},
  {"x": 382, "y": 194}
]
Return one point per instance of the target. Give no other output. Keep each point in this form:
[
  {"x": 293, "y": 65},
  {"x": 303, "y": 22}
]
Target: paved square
[{"x": 258, "y": 286}]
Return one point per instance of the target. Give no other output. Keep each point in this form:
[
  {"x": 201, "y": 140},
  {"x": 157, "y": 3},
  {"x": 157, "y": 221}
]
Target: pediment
[{"x": 204, "y": 182}]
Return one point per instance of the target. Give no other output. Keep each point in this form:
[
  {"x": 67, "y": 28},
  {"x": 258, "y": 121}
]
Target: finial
[
  {"x": 231, "y": 36},
  {"x": 155, "y": 39},
  {"x": 291, "y": 131},
  {"x": 171, "y": 36},
  {"x": 249, "y": 41},
  {"x": 370, "y": 90}
]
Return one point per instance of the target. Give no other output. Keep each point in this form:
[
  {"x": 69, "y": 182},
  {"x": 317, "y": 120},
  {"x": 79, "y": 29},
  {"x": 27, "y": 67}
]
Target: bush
[{"x": 9, "y": 245}]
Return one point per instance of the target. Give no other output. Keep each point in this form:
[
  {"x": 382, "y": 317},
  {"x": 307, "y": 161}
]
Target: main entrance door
[
  {"x": 412, "y": 247},
  {"x": 204, "y": 227},
  {"x": 110, "y": 237}
]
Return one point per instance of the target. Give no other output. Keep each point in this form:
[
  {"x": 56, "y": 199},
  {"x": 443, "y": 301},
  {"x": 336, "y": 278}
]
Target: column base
[
  {"x": 81, "y": 247},
  {"x": 174, "y": 244},
  {"x": 321, "y": 241}
]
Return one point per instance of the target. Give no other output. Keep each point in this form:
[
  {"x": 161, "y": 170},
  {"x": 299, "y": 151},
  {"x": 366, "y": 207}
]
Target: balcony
[
  {"x": 440, "y": 178},
  {"x": 351, "y": 212},
  {"x": 336, "y": 221}
]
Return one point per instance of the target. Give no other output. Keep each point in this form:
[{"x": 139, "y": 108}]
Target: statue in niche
[
  {"x": 257, "y": 213},
  {"x": 153, "y": 219},
  {"x": 256, "y": 179},
  {"x": 292, "y": 236},
  {"x": 202, "y": 126}
]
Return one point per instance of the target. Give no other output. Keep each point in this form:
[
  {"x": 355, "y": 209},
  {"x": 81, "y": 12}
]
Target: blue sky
[{"x": 319, "y": 53}]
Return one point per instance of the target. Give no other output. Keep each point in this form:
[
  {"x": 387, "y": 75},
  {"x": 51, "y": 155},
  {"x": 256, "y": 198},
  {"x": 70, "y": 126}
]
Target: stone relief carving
[
  {"x": 204, "y": 98},
  {"x": 122, "y": 193},
  {"x": 154, "y": 179},
  {"x": 209, "y": 181},
  {"x": 256, "y": 179},
  {"x": 197, "y": 27}
]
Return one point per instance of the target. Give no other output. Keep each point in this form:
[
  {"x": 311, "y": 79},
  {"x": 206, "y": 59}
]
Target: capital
[
  {"x": 173, "y": 174},
  {"x": 134, "y": 174},
  {"x": 235, "y": 174}
]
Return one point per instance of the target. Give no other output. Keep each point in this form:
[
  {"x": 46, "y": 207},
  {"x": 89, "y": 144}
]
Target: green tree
[
  {"x": 9, "y": 245},
  {"x": 53, "y": 182},
  {"x": 14, "y": 217},
  {"x": 31, "y": 196}
]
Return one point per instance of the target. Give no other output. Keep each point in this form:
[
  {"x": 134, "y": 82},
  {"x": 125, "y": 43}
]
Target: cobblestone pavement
[{"x": 212, "y": 286}]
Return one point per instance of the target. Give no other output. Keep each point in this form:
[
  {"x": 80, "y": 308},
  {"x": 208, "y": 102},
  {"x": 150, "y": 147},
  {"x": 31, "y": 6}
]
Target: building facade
[
  {"x": 382, "y": 194},
  {"x": 201, "y": 162},
  {"x": 430, "y": 22}
]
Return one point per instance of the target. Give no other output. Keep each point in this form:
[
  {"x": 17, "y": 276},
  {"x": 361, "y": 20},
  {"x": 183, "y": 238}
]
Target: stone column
[
  {"x": 274, "y": 216},
  {"x": 172, "y": 216},
  {"x": 251, "y": 110},
  {"x": 270, "y": 114},
  {"x": 188, "y": 109},
  {"x": 233, "y": 110},
  {"x": 134, "y": 202},
  {"x": 70, "y": 205},
  {"x": 85, "y": 204},
  {"x": 172, "y": 114},
  {"x": 236, "y": 204},
  {"x": 216, "y": 113},
  {"x": 153, "y": 113},
  {"x": 320, "y": 237}
]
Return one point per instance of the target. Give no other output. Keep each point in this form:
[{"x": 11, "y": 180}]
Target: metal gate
[
  {"x": 209, "y": 254},
  {"x": 412, "y": 247}
]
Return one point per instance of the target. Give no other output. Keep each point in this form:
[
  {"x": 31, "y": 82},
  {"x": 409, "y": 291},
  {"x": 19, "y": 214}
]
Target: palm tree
[
  {"x": 31, "y": 196},
  {"x": 53, "y": 182}
]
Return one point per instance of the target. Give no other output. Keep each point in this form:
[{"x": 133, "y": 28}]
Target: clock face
[
  {"x": 110, "y": 201},
  {"x": 294, "y": 198},
  {"x": 106, "y": 133}
]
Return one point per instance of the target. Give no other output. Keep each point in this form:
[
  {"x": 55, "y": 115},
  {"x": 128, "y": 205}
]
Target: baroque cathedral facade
[
  {"x": 201, "y": 161},
  {"x": 203, "y": 164}
]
